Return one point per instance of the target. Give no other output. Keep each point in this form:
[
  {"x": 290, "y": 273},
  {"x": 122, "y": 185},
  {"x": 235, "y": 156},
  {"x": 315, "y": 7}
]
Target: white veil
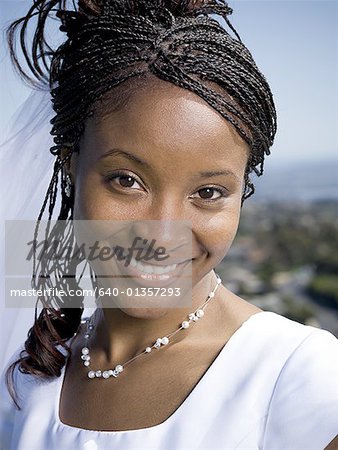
[
  {"x": 25, "y": 159},
  {"x": 26, "y": 167},
  {"x": 25, "y": 170}
]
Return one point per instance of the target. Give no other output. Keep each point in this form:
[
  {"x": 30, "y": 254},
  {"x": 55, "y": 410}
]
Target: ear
[{"x": 71, "y": 163}]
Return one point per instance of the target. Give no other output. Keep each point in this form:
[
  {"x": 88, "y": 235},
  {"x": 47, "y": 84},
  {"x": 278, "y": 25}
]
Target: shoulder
[
  {"x": 24, "y": 383},
  {"x": 29, "y": 390},
  {"x": 303, "y": 409},
  {"x": 267, "y": 329},
  {"x": 313, "y": 362},
  {"x": 289, "y": 334},
  {"x": 310, "y": 354},
  {"x": 8, "y": 408}
]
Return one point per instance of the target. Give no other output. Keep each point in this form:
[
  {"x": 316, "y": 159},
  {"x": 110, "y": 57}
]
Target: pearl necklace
[{"x": 159, "y": 343}]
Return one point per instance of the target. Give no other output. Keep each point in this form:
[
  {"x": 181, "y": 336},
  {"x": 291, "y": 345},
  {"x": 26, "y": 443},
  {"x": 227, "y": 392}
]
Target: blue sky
[{"x": 295, "y": 45}]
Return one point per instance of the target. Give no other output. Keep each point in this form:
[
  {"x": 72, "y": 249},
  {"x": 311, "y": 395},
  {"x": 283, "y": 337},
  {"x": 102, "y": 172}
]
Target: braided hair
[{"x": 111, "y": 48}]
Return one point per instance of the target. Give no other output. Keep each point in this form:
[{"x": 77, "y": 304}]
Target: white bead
[
  {"x": 91, "y": 327},
  {"x": 159, "y": 341},
  {"x": 165, "y": 340},
  {"x": 105, "y": 374},
  {"x": 115, "y": 374},
  {"x": 119, "y": 368},
  {"x": 191, "y": 316},
  {"x": 91, "y": 374},
  {"x": 200, "y": 313},
  {"x": 219, "y": 281},
  {"x": 98, "y": 373},
  {"x": 185, "y": 324},
  {"x": 84, "y": 357},
  {"x": 195, "y": 318},
  {"x": 110, "y": 372},
  {"x": 212, "y": 295},
  {"x": 157, "y": 345},
  {"x": 87, "y": 335},
  {"x": 85, "y": 351},
  {"x": 86, "y": 363},
  {"x": 148, "y": 349}
]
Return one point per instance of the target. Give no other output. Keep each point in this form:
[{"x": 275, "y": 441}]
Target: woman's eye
[
  {"x": 211, "y": 193},
  {"x": 125, "y": 181}
]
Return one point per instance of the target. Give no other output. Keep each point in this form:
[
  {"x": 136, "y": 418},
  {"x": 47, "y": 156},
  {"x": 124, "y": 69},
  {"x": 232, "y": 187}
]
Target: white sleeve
[
  {"x": 7, "y": 406},
  {"x": 303, "y": 412}
]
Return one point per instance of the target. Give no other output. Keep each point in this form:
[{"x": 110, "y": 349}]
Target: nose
[
  {"x": 167, "y": 226},
  {"x": 173, "y": 237}
]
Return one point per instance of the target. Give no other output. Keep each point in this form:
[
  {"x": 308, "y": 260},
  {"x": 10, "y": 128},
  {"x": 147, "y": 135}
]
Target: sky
[{"x": 294, "y": 44}]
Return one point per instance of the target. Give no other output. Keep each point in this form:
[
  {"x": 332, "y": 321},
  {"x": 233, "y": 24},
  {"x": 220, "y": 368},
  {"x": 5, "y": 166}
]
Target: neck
[{"x": 119, "y": 335}]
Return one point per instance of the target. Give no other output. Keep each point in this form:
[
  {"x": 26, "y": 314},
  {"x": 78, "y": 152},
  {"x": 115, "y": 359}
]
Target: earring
[{"x": 68, "y": 186}]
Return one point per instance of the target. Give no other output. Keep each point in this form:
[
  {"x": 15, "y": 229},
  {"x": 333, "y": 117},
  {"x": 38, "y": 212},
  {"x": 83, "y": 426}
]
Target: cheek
[
  {"x": 220, "y": 231},
  {"x": 85, "y": 202},
  {"x": 92, "y": 200}
]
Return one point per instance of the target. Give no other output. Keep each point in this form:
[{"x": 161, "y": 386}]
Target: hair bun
[
  {"x": 189, "y": 6},
  {"x": 176, "y": 7},
  {"x": 72, "y": 21}
]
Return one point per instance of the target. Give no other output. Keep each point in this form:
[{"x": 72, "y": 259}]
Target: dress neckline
[{"x": 195, "y": 391}]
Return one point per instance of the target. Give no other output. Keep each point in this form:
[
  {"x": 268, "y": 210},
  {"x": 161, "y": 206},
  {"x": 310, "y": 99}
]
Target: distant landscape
[
  {"x": 298, "y": 181},
  {"x": 285, "y": 255}
]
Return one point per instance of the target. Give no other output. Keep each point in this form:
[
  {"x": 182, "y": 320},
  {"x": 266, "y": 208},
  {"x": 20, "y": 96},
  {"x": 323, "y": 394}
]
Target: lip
[
  {"x": 153, "y": 279},
  {"x": 165, "y": 262}
]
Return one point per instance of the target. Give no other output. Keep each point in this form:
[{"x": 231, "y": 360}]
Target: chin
[{"x": 145, "y": 313}]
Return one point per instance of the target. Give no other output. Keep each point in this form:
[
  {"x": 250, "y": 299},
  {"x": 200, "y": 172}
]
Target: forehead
[{"x": 166, "y": 117}]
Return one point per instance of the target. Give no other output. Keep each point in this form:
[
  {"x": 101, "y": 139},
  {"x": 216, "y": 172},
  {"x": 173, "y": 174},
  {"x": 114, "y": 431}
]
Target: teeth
[
  {"x": 133, "y": 262},
  {"x": 158, "y": 270}
]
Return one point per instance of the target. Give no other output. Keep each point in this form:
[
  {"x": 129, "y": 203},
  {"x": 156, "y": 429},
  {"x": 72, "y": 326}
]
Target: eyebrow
[
  {"x": 132, "y": 157},
  {"x": 119, "y": 152},
  {"x": 219, "y": 172}
]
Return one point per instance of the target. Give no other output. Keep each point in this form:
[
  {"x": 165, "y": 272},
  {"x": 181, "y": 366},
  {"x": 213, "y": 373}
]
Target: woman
[{"x": 162, "y": 115}]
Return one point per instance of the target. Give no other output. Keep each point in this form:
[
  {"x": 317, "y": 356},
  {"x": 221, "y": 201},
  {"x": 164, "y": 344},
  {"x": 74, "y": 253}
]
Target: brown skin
[{"x": 179, "y": 136}]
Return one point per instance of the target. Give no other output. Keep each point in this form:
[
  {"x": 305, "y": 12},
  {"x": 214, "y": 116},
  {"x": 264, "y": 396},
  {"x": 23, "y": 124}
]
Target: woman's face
[{"x": 165, "y": 155}]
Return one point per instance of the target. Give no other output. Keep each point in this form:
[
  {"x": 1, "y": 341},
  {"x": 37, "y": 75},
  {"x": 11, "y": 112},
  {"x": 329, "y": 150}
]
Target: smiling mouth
[
  {"x": 152, "y": 269},
  {"x": 153, "y": 272}
]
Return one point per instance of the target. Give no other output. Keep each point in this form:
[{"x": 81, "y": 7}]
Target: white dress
[{"x": 273, "y": 386}]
